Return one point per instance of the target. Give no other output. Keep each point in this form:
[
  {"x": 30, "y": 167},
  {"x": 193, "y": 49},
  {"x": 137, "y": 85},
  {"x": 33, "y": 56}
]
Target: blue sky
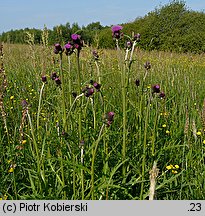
[{"x": 16, "y": 14}]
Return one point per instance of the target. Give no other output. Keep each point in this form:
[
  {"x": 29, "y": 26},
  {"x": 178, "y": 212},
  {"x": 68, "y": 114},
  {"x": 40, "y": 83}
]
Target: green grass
[{"x": 49, "y": 165}]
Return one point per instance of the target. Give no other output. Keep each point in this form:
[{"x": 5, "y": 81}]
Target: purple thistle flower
[
  {"x": 116, "y": 28},
  {"x": 110, "y": 118},
  {"x": 88, "y": 92},
  {"x": 128, "y": 45},
  {"x": 137, "y": 37},
  {"x": 69, "y": 49},
  {"x": 97, "y": 86},
  {"x": 58, "y": 49},
  {"x": 44, "y": 79},
  {"x": 156, "y": 88},
  {"x": 162, "y": 95},
  {"x": 75, "y": 37},
  {"x": 77, "y": 43},
  {"x": 54, "y": 76},
  {"x": 137, "y": 82},
  {"x": 116, "y": 31},
  {"x": 58, "y": 81}
]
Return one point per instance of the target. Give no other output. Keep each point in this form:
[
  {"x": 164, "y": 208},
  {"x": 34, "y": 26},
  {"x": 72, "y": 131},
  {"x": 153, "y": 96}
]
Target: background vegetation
[{"x": 170, "y": 27}]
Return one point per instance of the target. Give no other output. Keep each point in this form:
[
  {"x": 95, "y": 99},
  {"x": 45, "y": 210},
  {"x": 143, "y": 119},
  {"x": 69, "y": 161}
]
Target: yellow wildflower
[
  {"x": 198, "y": 133},
  {"x": 167, "y": 132},
  {"x": 164, "y": 125},
  {"x": 23, "y": 142},
  {"x": 11, "y": 170},
  {"x": 176, "y": 166},
  {"x": 12, "y": 97},
  {"x": 170, "y": 167},
  {"x": 174, "y": 172}
]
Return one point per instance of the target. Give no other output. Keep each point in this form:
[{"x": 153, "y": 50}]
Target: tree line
[{"x": 172, "y": 27}]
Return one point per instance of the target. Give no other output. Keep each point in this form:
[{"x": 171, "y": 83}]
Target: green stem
[
  {"x": 63, "y": 94},
  {"x": 93, "y": 160},
  {"x": 39, "y": 105},
  {"x": 144, "y": 150},
  {"x": 79, "y": 90},
  {"x": 94, "y": 115},
  {"x": 69, "y": 81},
  {"x": 34, "y": 142},
  {"x": 82, "y": 172},
  {"x": 98, "y": 72}
]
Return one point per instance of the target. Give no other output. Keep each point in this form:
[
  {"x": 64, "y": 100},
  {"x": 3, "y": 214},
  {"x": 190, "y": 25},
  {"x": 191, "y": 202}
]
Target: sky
[{"x": 19, "y": 14}]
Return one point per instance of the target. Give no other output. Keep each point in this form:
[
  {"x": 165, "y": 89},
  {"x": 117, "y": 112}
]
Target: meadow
[{"x": 106, "y": 125}]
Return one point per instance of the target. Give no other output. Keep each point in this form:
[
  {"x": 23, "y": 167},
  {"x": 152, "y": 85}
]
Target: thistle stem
[
  {"x": 93, "y": 160},
  {"x": 39, "y": 105},
  {"x": 63, "y": 94},
  {"x": 79, "y": 89}
]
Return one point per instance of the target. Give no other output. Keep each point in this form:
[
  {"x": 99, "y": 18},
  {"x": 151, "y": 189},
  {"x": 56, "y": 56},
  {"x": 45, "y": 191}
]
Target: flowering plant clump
[{"x": 173, "y": 168}]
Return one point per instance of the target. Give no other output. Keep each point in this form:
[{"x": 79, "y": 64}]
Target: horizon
[{"x": 21, "y": 15}]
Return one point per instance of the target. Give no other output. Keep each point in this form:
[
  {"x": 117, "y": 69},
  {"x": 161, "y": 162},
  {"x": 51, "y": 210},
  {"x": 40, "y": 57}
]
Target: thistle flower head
[
  {"x": 116, "y": 28},
  {"x": 58, "y": 81},
  {"x": 116, "y": 31},
  {"x": 128, "y": 45},
  {"x": 77, "y": 42},
  {"x": 156, "y": 88},
  {"x": 88, "y": 91},
  {"x": 95, "y": 55},
  {"x": 110, "y": 118},
  {"x": 75, "y": 37},
  {"x": 44, "y": 79},
  {"x": 97, "y": 86},
  {"x": 162, "y": 95},
  {"x": 54, "y": 76},
  {"x": 57, "y": 48},
  {"x": 69, "y": 49},
  {"x": 137, "y": 82},
  {"x": 147, "y": 65},
  {"x": 137, "y": 37}
]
